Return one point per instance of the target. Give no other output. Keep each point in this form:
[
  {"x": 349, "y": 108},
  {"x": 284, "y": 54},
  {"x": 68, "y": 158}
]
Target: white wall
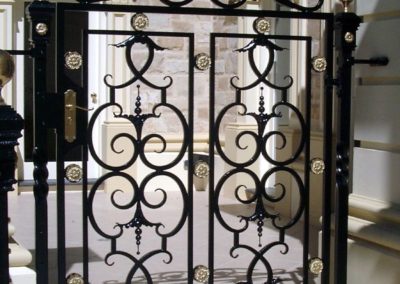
[
  {"x": 376, "y": 101},
  {"x": 374, "y": 222}
]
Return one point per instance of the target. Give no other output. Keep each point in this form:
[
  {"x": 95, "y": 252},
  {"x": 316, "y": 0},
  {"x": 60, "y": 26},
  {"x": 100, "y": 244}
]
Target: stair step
[
  {"x": 373, "y": 210},
  {"x": 380, "y": 234}
]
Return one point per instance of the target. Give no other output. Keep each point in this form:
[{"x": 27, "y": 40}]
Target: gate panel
[
  {"x": 134, "y": 234},
  {"x": 259, "y": 228},
  {"x": 141, "y": 219},
  {"x": 257, "y": 190}
]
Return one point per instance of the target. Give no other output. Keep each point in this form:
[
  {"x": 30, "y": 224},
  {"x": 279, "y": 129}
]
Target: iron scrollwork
[
  {"x": 139, "y": 221},
  {"x": 232, "y": 4},
  {"x": 260, "y": 196},
  {"x": 239, "y": 3}
]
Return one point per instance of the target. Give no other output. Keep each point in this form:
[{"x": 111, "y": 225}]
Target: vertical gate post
[
  {"x": 39, "y": 14},
  {"x": 346, "y": 25},
  {"x": 11, "y": 124}
]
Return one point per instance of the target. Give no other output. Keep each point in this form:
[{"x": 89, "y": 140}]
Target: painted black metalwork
[
  {"x": 346, "y": 25},
  {"x": 42, "y": 11},
  {"x": 261, "y": 137},
  {"x": 39, "y": 15},
  {"x": 373, "y": 61},
  {"x": 328, "y": 155},
  {"x": 232, "y": 4},
  {"x": 11, "y": 124},
  {"x": 139, "y": 220}
]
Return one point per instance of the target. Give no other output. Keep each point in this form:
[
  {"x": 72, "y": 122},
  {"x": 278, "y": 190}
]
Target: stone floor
[{"x": 228, "y": 269}]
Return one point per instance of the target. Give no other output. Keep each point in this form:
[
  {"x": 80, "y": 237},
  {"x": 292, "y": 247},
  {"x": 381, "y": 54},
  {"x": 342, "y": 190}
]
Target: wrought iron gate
[{"x": 68, "y": 115}]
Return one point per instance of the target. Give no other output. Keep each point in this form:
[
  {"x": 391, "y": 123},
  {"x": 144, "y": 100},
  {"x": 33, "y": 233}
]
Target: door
[{"x": 165, "y": 209}]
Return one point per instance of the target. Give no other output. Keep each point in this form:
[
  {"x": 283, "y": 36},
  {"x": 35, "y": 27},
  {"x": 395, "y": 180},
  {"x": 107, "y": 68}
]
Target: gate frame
[{"x": 41, "y": 11}]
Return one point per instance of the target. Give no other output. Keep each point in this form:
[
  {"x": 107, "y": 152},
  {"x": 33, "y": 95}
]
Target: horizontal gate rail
[{"x": 194, "y": 11}]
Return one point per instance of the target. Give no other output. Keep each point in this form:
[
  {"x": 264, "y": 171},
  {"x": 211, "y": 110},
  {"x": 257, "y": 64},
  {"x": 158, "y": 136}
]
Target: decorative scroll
[
  {"x": 293, "y": 5},
  {"x": 229, "y": 4},
  {"x": 138, "y": 202},
  {"x": 259, "y": 183}
]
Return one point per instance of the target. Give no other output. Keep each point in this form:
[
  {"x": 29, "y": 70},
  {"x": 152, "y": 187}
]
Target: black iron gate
[{"x": 260, "y": 233}]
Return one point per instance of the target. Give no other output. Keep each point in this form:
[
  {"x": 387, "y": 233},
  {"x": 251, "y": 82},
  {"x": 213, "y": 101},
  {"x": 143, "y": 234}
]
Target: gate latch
[{"x": 70, "y": 115}]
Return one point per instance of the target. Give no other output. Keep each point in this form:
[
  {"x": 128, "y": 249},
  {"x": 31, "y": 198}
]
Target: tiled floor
[{"x": 286, "y": 267}]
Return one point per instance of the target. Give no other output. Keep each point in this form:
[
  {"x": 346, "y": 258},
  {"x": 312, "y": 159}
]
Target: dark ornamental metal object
[
  {"x": 159, "y": 105},
  {"x": 224, "y": 4},
  {"x": 201, "y": 273},
  {"x": 73, "y": 173},
  {"x": 202, "y": 61},
  {"x": 319, "y": 64},
  {"x": 73, "y": 60},
  {"x": 139, "y": 22}
]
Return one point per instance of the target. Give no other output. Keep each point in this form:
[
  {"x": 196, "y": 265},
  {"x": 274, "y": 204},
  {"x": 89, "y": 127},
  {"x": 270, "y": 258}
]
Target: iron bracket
[{"x": 373, "y": 61}]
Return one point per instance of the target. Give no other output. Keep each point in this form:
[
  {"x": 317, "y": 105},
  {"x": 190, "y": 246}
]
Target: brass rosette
[
  {"x": 140, "y": 22},
  {"x": 201, "y": 273},
  {"x": 262, "y": 25},
  {"x": 75, "y": 278},
  {"x": 317, "y": 166},
  {"x": 73, "y": 173},
  {"x": 316, "y": 265},
  {"x": 319, "y": 64},
  {"x": 73, "y": 60},
  {"x": 349, "y": 37},
  {"x": 41, "y": 29},
  {"x": 201, "y": 169},
  {"x": 202, "y": 61}
]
